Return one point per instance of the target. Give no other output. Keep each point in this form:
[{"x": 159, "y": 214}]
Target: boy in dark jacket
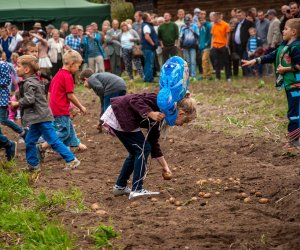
[
  {"x": 37, "y": 115},
  {"x": 105, "y": 85}
]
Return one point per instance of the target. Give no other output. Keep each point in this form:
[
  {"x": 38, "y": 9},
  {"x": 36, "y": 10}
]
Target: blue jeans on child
[
  {"x": 190, "y": 57},
  {"x": 65, "y": 131},
  {"x": 48, "y": 132},
  {"x": 149, "y": 64},
  {"x": 136, "y": 160},
  {"x": 106, "y": 100},
  {"x": 4, "y": 120},
  {"x": 3, "y": 140}
]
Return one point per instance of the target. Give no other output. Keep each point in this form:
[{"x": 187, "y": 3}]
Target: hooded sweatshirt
[{"x": 106, "y": 83}]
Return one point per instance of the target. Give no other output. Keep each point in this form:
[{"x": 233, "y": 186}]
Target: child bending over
[
  {"x": 287, "y": 64},
  {"x": 37, "y": 115},
  {"x": 105, "y": 85},
  {"x": 125, "y": 118}
]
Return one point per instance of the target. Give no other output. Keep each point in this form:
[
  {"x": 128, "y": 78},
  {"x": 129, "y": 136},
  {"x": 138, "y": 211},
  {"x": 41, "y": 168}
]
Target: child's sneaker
[
  {"x": 11, "y": 150},
  {"x": 292, "y": 145},
  {"x": 142, "y": 192},
  {"x": 118, "y": 191},
  {"x": 72, "y": 164},
  {"x": 41, "y": 153}
]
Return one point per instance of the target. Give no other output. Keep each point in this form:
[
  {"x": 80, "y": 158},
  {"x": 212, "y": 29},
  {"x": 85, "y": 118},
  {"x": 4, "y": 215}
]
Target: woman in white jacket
[{"x": 56, "y": 47}]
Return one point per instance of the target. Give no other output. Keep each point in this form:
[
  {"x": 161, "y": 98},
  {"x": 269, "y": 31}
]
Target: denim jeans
[
  {"x": 65, "y": 131},
  {"x": 149, "y": 64},
  {"x": 139, "y": 151},
  {"x": 3, "y": 140},
  {"x": 4, "y": 120},
  {"x": 190, "y": 57},
  {"x": 48, "y": 132},
  {"x": 106, "y": 100},
  {"x": 293, "y": 98}
]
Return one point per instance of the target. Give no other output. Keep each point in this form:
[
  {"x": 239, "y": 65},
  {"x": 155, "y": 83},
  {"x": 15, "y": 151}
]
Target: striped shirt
[{"x": 252, "y": 44}]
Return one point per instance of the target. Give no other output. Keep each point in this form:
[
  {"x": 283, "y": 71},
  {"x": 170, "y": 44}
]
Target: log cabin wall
[{"x": 224, "y": 6}]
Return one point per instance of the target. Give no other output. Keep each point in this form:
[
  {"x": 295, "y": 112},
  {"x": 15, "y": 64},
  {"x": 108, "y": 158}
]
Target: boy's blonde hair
[
  {"x": 29, "y": 61},
  {"x": 189, "y": 106},
  {"x": 294, "y": 23},
  {"x": 71, "y": 56},
  {"x": 29, "y": 45}
]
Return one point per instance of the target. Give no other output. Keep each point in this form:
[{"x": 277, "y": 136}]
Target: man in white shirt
[{"x": 16, "y": 37}]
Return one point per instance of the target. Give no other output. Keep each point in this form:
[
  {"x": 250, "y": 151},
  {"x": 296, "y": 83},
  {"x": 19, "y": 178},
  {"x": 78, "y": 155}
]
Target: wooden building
[{"x": 224, "y": 6}]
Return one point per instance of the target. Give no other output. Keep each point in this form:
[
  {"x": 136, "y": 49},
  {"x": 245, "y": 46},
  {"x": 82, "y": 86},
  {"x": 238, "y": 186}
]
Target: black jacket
[{"x": 244, "y": 33}]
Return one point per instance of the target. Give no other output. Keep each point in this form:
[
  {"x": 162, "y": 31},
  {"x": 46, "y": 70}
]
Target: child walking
[
  {"x": 9, "y": 146},
  {"x": 37, "y": 115},
  {"x": 125, "y": 118},
  {"x": 105, "y": 85},
  {"x": 5, "y": 83},
  {"x": 61, "y": 95},
  {"x": 287, "y": 64}
]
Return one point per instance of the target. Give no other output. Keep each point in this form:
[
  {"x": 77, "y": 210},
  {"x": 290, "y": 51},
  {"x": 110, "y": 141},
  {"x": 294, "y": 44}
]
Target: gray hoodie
[
  {"x": 33, "y": 102},
  {"x": 106, "y": 83}
]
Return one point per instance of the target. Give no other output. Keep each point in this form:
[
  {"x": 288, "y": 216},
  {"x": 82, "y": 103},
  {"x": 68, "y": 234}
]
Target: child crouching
[
  {"x": 125, "y": 118},
  {"x": 37, "y": 115}
]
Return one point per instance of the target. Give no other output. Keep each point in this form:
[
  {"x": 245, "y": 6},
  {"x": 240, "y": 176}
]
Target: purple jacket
[{"x": 131, "y": 112}]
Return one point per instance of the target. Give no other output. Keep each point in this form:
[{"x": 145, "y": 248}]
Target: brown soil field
[{"x": 202, "y": 161}]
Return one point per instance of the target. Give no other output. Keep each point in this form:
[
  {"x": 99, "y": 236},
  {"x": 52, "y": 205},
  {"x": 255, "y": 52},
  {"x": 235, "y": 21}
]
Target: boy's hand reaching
[
  {"x": 83, "y": 110},
  {"x": 248, "y": 63},
  {"x": 281, "y": 70},
  {"x": 156, "y": 116}
]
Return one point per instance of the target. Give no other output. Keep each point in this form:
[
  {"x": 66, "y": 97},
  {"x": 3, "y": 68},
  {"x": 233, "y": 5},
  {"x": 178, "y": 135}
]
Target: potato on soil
[
  {"x": 207, "y": 195},
  {"x": 177, "y": 203},
  {"x": 178, "y": 208},
  {"x": 154, "y": 199},
  {"x": 172, "y": 200},
  {"x": 95, "y": 206},
  {"x": 101, "y": 212},
  {"x": 258, "y": 194},
  {"x": 244, "y": 195},
  {"x": 217, "y": 193},
  {"x": 263, "y": 200},
  {"x": 201, "y": 194},
  {"x": 252, "y": 191},
  {"x": 194, "y": 198},
  {"x": 247, "y": 200}
]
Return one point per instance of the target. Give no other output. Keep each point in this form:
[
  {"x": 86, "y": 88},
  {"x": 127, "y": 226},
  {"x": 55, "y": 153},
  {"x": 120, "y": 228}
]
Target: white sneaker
[
  {"x": 141, "y": 192},
  {"x": 72, "y": 164},
  {"x": 118, "y": 191}
]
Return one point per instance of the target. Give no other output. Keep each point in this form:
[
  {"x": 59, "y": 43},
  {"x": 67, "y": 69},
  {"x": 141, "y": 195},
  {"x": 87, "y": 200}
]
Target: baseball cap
[{"x": 197, "y": 10}]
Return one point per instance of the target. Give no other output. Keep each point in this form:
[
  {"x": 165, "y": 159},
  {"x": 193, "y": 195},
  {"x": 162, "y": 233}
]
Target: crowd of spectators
[{"x": 141, "y": 46}]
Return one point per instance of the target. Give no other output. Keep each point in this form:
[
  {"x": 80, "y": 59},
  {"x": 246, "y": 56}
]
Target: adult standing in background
[
  {"x": 5, "y": 41},
  {"x": 114, "y": 48},
  {"x": 241, "y": 37},
  {"x": 73, "y": 41},
  {"x": 56, "y": 51},
  {"x": 180, "y": 21},
  {"x": 168, "y": 37},
  {"x": 295, "y": 11},
  {"x": 149, "y": 41},
  {"x": 220, "y": 42},
  {"x": 16, "y": 38},
  {"x": 262, "y": 27},
  {"x": 93, "y": 51},
  {"x": 137, "y": 25},
  {"x": 274, "y": 37},
  {"x": 64, "y": 27}
]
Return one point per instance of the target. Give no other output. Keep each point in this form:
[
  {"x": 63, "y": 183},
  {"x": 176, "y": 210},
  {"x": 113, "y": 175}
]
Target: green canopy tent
[{"x": 25, "y": 12}]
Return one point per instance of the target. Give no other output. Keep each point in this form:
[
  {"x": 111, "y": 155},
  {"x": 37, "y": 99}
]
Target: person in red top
[{"x": 61, "y": 95}]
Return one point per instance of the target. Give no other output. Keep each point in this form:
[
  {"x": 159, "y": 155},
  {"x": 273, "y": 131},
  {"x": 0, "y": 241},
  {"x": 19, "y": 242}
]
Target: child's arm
[
  {"x": 270, "y": 58},
  {"x": 76, "y": 102},
  {"x": 281, "y": 70}
]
